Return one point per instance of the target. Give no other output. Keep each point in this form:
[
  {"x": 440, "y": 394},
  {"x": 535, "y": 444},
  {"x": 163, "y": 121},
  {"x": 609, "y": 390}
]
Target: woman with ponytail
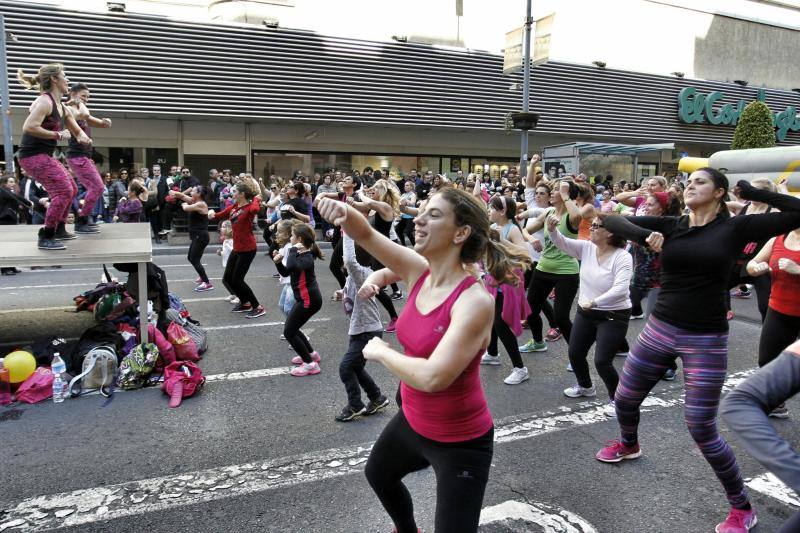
[
  {"x": 698, "y": 251},
  {"x": 48, "y": 122},
  {"x": 444, "y": 328},
  {"x": 510, "y": 304}
]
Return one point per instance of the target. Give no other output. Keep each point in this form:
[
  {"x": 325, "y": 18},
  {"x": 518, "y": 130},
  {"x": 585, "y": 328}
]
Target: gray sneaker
[
  {"x": 493, "y": 360},
  {"x": 576, "y": 391},
  {"x": 780, "y": 412},
  {"x": 517, "y": 376}
]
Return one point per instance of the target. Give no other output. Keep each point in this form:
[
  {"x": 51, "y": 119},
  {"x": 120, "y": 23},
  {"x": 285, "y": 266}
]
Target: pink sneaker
[
  {"x": 553, "y": 334},
  {"x": 199, "y": 281},
  {"x": 296, "y": 360},
  {"x": 203, "y": 287},
  {"x": 391, "y": 327},
  {"x": 305, "y": 370},
  {"x": 738, "y": 521},
  {"x": 615, "y": 451}
]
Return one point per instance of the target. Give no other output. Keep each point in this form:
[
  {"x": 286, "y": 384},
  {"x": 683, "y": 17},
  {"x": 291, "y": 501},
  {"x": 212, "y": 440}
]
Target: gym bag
[
  {"x": 99, "y": 372},
  {"x": 137, "y": 366},
  {"x": 181, "y": 380}
]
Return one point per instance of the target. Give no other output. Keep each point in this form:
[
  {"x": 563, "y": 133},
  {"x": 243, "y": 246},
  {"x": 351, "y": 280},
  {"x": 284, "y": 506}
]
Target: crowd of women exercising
[{"x": 482, "y": 267}]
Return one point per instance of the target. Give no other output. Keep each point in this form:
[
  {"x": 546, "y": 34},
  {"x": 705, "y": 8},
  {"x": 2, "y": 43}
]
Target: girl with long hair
[
  {"x": 307, "y": 298},
  {"x": 698, "y": 251},
  {"x": 444, "y": 420},
  {"x": 49, "y": 122}
]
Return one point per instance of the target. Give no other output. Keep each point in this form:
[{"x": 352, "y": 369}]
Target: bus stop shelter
[{"x": 566, "y": 158}]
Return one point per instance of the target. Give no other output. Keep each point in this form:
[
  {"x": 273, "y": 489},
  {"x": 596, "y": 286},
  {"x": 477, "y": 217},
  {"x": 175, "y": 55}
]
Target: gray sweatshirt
[
  {"x": 745, "y": 410},
  {"x": 365, "y": 315}
]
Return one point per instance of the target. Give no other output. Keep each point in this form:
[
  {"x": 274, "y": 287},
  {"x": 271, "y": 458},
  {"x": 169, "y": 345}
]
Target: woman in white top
[{"x": 604, "y": 304}]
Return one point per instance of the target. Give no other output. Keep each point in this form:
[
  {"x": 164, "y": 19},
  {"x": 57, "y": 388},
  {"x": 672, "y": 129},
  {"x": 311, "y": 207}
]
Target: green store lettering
[{"x": 697, "y": 108}]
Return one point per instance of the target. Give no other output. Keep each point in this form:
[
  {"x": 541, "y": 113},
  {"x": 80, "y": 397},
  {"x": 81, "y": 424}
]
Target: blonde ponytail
[{"x": 42, "y": 81}]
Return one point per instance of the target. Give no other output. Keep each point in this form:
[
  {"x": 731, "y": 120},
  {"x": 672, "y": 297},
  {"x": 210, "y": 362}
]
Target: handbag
[
  {"x": 182, "y": 379},
  {"x": 99, "y": 372}
]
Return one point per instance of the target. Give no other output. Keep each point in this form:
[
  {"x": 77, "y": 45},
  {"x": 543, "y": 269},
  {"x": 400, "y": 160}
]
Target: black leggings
[
  {"x": 566, "y": 286},
  {"x": 761, "y": 284},
  {"x": 155, "y": 223},
  {"x": 605, "y": 328},
  {"x": 405, "y": 228},
  {"x": 502, "y": 331},
  {"x": 778, "y": 332},
  {"x": 337, "y": 264},
  {"x": 547, "y": 309},
  {"x": 461, "y": 469},
  {"x": 199, "y": 241},
  {"x": 297, "y": 318},
  {"x": 233, "y": 278}
]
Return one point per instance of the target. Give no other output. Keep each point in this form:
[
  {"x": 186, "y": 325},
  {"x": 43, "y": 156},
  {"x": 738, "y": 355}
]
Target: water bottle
[{"x": 59, "y": 384}]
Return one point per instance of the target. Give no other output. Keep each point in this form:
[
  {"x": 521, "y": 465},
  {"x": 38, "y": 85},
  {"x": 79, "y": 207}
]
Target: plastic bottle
[
  {"x": 59, "y": 384},
  {"x": 5, "y": 385}
]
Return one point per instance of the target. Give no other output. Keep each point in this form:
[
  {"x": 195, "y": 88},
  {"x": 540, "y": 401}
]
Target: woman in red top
[
  {"x": 781, "y": 258},
  {"x": 241, "y": 214},
  {"x": 444, "y": 329}
]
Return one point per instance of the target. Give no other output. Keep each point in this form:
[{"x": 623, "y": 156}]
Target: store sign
[{"x": 696, "y": 108}]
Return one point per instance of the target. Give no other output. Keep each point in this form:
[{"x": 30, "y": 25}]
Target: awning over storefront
[{"x": 578, "y": 149}]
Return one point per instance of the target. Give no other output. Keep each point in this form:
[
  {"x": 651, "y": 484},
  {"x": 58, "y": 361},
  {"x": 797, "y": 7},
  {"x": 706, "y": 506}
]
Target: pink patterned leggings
[
  {"x": 86, "y": 173},
  {"x": 59, "y": 186}
]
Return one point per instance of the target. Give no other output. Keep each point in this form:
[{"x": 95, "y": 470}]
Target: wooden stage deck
[{"x": 116, "y": 243}]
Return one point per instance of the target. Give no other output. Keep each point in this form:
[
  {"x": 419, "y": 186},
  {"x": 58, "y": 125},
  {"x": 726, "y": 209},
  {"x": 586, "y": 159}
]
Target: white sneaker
[
  {"x": 576, "y": 391},
  {"x": 493, "y": 360},
  {"x": 235, "y": 301},
  {"x": 623, "y": 354},
  {"x": 230, "y": 298},
  {"x": 569, "y": 367},
  {"x": 637, "y": 317},
  {"x": 611, "y": 409},
  {"x": 517, "y": 376}
]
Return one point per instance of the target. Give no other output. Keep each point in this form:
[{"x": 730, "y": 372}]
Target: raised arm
[
  {"x": 530, "y": 178},
  {"x": 408, "y": 264},
  {"x": 197, "y": 207},
  {"x": 753, "y": 228},
  {"x": 571, "y": 247}
]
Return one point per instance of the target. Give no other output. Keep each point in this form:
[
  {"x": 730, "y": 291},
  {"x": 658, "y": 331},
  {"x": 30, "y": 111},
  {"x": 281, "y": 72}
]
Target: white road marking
[
  {"x": 258, "y": 325},
  {"x": 250, "y": 374},
  {"x": 99, "y": 269},
  {"x": 774, "y": 488},
  {"x": 161, "y": 493},
  {"x": 86, "y": 284},
  {"x": 550, "y": 518}
]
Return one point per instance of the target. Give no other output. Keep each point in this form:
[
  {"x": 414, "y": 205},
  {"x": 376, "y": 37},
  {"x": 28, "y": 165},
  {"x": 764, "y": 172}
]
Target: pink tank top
[{"x": 458, "y": 413}]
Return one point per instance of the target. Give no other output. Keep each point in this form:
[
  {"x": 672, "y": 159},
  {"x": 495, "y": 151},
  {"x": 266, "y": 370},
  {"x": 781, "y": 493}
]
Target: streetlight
[{"x": 8, "y": 145}]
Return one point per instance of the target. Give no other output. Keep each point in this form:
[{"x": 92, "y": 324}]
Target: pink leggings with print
[
  {"x": 59, "y": 186},
  {"x": 86, "y": 173}
]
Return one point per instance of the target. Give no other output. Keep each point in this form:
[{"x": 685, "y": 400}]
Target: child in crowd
[
  {"x": 130, "y": 209},
  {"x": 365, "y": 323},
  {"x": 226, "y": 236},
  {"x": 283, "y": 236},
  {"x": 308, "y": 300}
]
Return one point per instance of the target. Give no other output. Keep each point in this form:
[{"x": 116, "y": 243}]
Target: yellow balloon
[{"x": 20, "y": 365}]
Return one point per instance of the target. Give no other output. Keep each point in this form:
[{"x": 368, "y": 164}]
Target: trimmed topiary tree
[{"x": 754, "y": 128}]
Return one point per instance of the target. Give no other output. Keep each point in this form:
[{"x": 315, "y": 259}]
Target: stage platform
[{"x": 116, "y": 243}]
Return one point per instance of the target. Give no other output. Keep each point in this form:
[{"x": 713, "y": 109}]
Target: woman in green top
[{"x": 555, "y": 269}]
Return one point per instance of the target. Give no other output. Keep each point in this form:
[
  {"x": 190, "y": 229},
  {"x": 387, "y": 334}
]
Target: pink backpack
[
  {"x": 38, "y": 387},
  {"x": 165, "y": 349},
  {"x": 181, "y": 380},
  {"x": 185, "y": 348}
]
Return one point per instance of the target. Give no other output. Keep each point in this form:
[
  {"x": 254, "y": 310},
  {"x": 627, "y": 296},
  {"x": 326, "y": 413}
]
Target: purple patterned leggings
[
  {"x": 86, "y": 173},
  {"x": 705, "y": 362},
  {"x": 59, "y": 186}
]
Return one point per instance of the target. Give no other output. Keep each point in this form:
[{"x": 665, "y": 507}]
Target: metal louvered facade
[{"x": 140, "y": 66}]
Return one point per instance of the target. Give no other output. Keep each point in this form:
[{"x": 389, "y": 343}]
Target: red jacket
[{"x": 242, "y": 224}]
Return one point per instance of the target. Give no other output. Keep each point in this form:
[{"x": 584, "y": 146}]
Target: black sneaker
[
  {"x": 47, "y": 242},
  {"x": 348, "y": 414},
  {"x": 669, "y": 375},
  {"x": 82, "y": 226},
  {"x": 397, "y": 295},
  {"x": 376, "y": 405},
  {"x": 256, "y": 312},
  {"x": 241, "y": 308},
  {"x": 62, "y": 234}
]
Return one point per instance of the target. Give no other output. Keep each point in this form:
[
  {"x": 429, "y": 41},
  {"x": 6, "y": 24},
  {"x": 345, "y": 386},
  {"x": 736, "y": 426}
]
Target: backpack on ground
[
  {"x": 198, "y": 334},
  {"x": 182, "y": 379},
  {"x": 185, "y": 348},
  {"x": 103, "y": 334},
  {"x": 176, "y": 303},
  {"x": 99, "y": 372},
  {"x": 137, "y": 366}
]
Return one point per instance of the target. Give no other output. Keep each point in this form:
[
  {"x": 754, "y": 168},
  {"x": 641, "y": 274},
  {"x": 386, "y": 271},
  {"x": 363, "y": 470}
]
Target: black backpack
[
  {"x": 103, "y": 334},
  {"x": 157, "y": 286}
]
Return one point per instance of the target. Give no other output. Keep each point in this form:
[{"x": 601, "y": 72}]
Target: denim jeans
[{"x": 353, "y": 373}]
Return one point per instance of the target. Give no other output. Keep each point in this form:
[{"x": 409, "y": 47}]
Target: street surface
[{"x": 259, "y": 450}]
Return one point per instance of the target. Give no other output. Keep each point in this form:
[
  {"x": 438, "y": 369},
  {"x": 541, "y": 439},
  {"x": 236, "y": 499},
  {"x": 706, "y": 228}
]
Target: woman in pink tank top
[{"x": 444, "y": 421}]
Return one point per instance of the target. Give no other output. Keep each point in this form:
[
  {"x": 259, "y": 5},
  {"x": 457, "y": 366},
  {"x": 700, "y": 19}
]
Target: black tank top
[
  {"x": 197, "y": 221},
  {"x": 76, "y": 149},
  {"x": 382, "y": 226},
  {"x": 31, "y": 145}
]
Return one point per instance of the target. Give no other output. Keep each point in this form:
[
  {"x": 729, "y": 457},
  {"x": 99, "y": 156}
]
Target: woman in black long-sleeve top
[
  {"x": 307, "y": 298},
  {"x": 697, "y": 252}
]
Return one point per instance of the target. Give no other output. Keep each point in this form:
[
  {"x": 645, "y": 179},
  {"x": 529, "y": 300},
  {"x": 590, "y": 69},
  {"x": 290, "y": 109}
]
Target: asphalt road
[{"x": 259, "y": 450}]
